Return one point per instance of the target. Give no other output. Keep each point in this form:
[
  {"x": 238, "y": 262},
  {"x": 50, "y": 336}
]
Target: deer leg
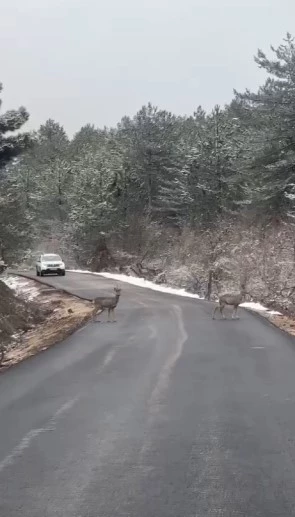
[
  {"x": 109, "y": 312},
  {"x": 214, "y": 312},
  {"x": 221, "y": 307},
  {"x": 113, "y": 312},
  {"x": 100, "y": 311},
  {"x": 234, "y": 314}
]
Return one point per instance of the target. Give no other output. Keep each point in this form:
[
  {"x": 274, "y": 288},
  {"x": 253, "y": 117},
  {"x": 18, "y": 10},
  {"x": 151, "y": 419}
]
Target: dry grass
[
  {"x": 65, "y": 314},
  {"x": 286, "y": 323}
]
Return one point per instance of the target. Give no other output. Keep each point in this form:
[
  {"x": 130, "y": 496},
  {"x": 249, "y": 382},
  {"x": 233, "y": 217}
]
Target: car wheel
[
  {"x": 63, "y": 273},
  {"x": 41, "y": 273}
]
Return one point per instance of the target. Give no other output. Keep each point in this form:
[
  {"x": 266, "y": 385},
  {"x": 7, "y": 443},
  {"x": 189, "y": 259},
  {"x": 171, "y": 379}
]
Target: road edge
[
  {"x": 42, "y": 281},
  {"x": 66, "y": 332},
  {"x": 261, "y": 316}
]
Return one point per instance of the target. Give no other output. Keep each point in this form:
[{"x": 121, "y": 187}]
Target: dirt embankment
[
  {"x": 286, "y": 323},
  {"x": 34, "y": 317}
]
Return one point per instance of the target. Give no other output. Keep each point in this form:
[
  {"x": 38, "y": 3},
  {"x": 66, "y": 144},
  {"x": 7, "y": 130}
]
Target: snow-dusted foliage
[
  {"x": 12, "y": 145},
  {"x": 210, "y": 195}
]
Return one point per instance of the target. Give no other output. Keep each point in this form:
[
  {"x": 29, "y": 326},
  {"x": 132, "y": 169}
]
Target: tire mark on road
[
  {"x": 158, "y": 393},
  {"x": 171, "y": 361}
]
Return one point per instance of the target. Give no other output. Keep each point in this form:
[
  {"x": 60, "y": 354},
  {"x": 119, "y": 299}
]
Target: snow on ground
[
  {"x": 21, "y": 287},
  {"x": 25, "y": 288},
  {"x": 141, "y": 282},
  {"x": 257, "y": 307},
  {"x": 11, "y": 281}
]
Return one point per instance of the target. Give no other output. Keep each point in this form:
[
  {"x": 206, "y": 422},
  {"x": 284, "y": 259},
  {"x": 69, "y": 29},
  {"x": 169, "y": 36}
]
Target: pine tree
[
  {"x": 94, "y": 199},
  {"x": 14, "y": 227},
  {"x": 201, "y": 184},
  {"x": 272, "y": 109},
  {"x": 12, "y": 145},
  {"x": 149, "y": 138},
  {"x": 50, "y": 168}
]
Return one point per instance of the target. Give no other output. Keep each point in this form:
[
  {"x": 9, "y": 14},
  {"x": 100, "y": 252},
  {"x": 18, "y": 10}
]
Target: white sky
[{"x": 80, "y": 61}]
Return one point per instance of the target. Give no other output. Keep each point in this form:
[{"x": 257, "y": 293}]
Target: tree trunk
[
  {"x": 102, "y": 256},
  {"x": 209, "y": 285},
  {"x": 2, "y": 354}
]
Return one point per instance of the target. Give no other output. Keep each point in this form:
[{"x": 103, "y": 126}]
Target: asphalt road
[{"x": 164, "y": 414}]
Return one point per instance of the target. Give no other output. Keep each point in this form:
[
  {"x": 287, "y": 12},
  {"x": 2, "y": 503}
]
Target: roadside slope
[{"x": 35, "y": 316}]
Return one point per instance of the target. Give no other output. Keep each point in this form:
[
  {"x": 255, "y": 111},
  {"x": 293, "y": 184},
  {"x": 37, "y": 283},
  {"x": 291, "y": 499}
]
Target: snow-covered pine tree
[
  {"x": 12, "y": 145},
  {"x": 14, "y": 227},
  {"x": 271, "y": 167}
]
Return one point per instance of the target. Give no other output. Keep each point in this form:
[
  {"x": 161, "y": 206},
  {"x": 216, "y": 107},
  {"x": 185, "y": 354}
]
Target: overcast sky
[{"x": 80, "y": 61}]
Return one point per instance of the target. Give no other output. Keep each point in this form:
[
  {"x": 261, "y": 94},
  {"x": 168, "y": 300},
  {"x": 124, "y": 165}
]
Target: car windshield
[{"x": 51, "y": 257}]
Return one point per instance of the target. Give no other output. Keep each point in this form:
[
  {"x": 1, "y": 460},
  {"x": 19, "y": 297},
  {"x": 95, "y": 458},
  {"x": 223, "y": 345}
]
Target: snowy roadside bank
[
  {"x": 257, "y": 307},
  {"x": 22, "y": 287},
  {"x": 35, "y": 317},
  {"x": 282, "y": 321},
  {"x": 141, "y": 282}
]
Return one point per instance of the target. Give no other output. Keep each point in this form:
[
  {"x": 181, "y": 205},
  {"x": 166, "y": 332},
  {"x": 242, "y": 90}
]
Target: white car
[{"x": 50, "y": 263}]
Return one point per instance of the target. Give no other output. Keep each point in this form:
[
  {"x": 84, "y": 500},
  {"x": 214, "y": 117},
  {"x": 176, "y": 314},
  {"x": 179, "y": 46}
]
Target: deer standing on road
[
  {"x": 231, "y": 299},
  {"x": 109, "y": 303}
]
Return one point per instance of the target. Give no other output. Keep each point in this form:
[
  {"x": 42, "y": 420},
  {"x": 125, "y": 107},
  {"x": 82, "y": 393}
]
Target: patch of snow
[
  {"x": 21, "y": 287},
  {"x": 30, "y": 293},
  {"x": 141, "y": 282},
  {"x": 257, "y": 307},
  {"x": 12, "y": 281}
]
